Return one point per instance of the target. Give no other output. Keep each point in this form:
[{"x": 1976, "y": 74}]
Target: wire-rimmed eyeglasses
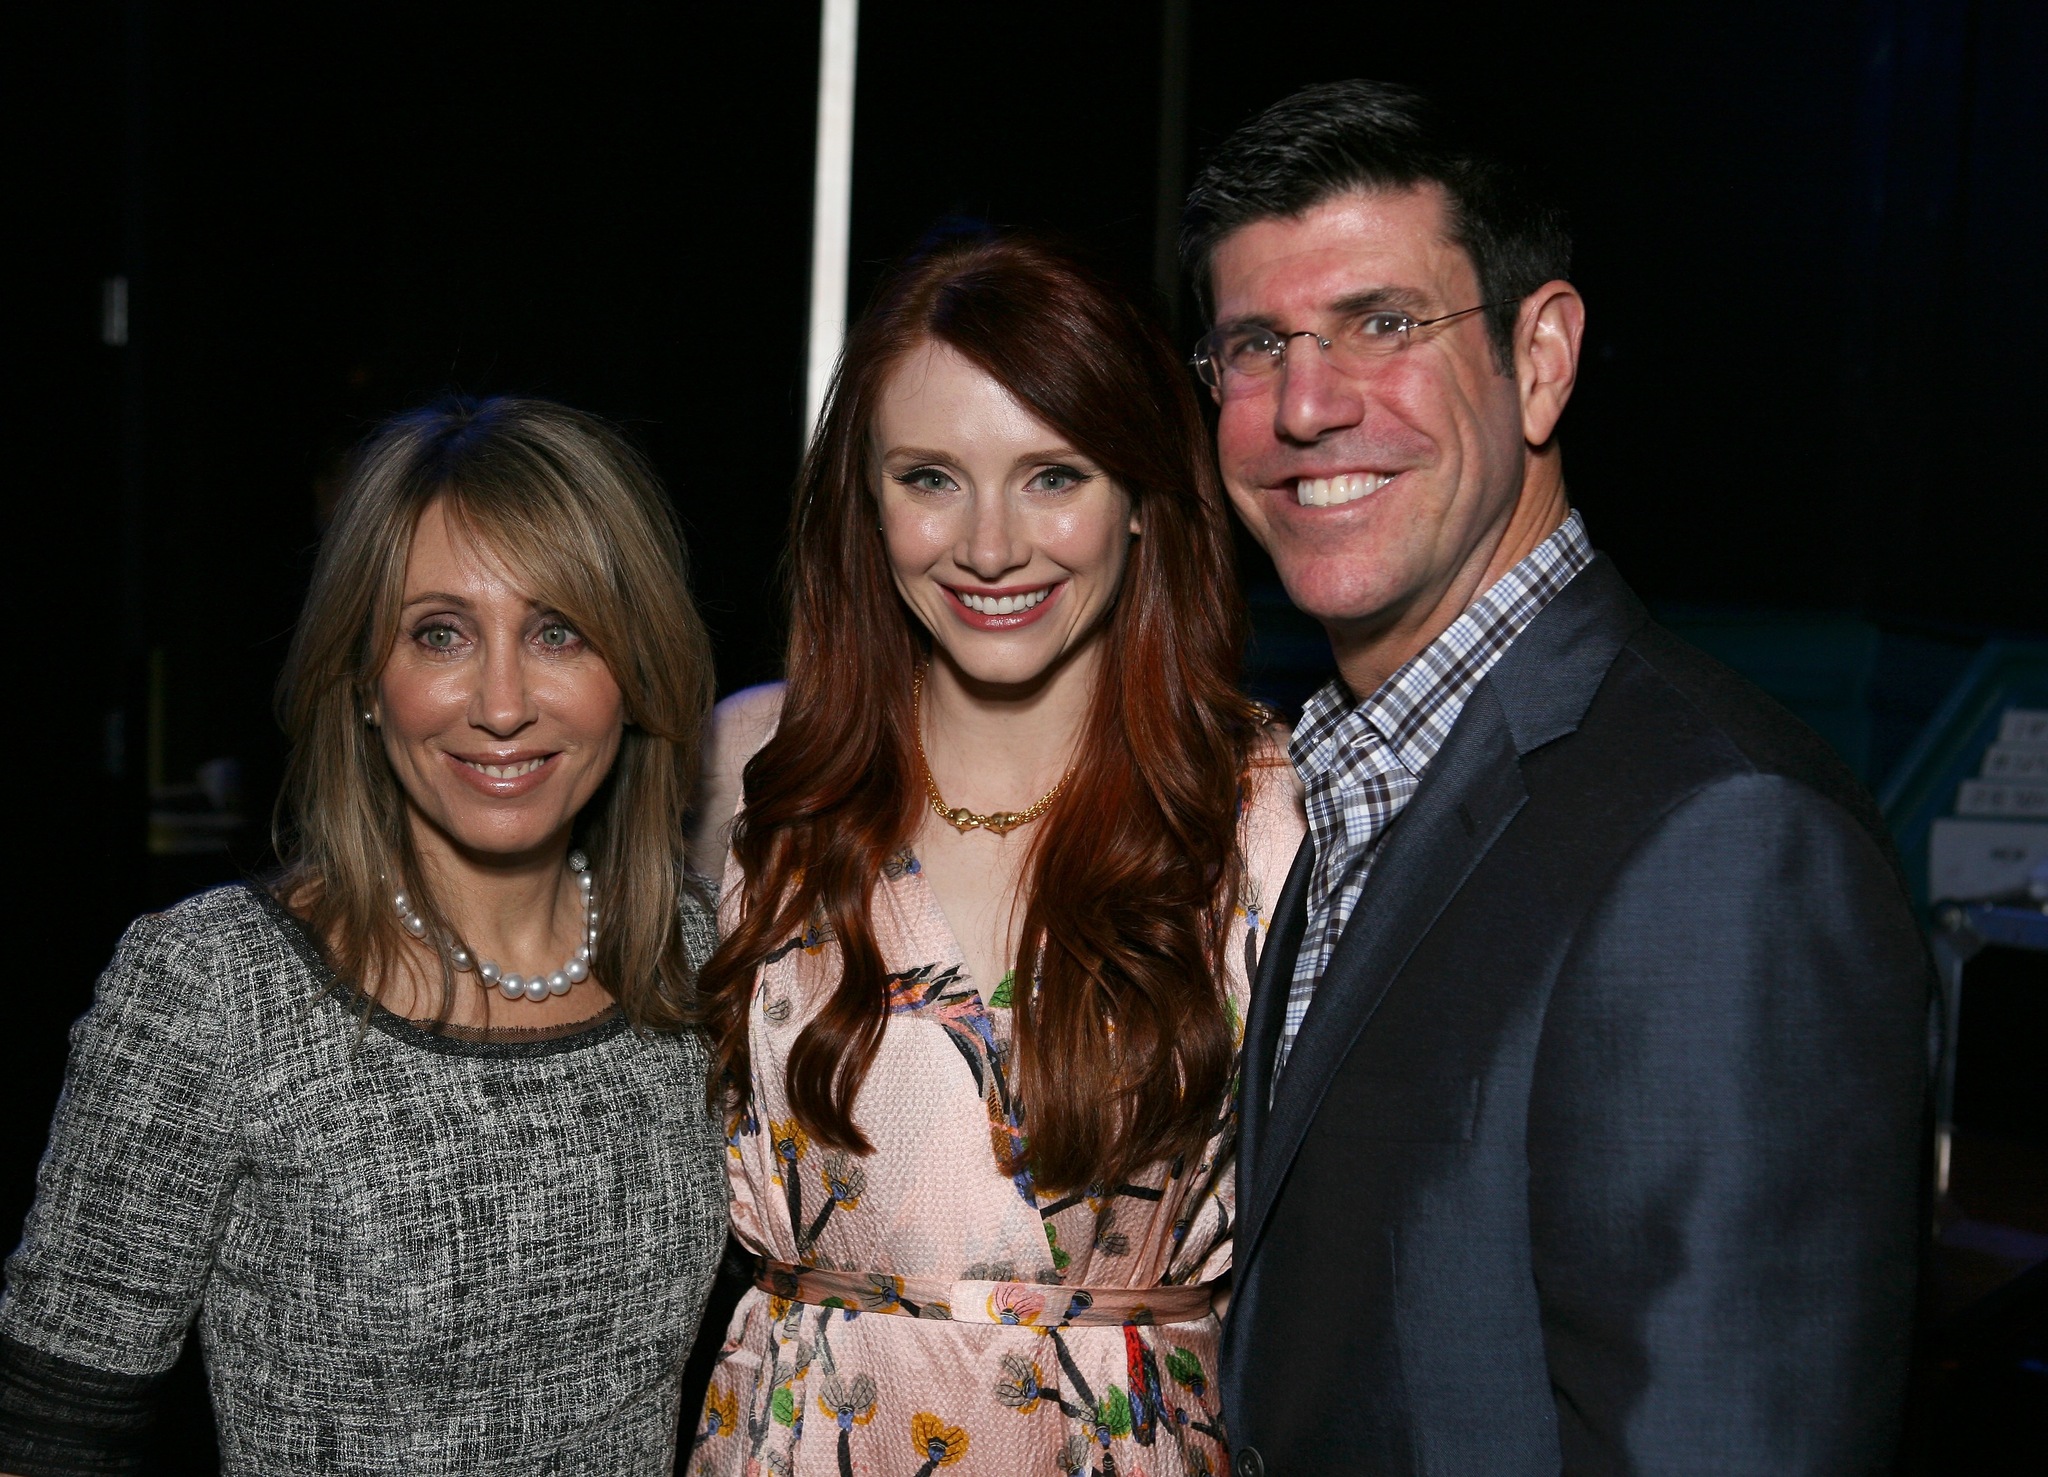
[{"x": 1356, "y": 347}]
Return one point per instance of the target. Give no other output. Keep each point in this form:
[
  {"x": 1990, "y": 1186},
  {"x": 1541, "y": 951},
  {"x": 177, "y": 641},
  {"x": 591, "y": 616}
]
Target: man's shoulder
[{"x": 1680, "y": 721}]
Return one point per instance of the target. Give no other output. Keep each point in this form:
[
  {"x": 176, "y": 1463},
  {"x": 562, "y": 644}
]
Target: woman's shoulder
[
  {"x": 237, "y": 922},
  {"x": 1273, "y": 820},
  {"x": 738, "y": 727},
  {"x": 698, "y": 904},
  {"x": 197, "y": 976},
  {"x": 1270, "y": 781},
  {"x": 750, "y": 710}
]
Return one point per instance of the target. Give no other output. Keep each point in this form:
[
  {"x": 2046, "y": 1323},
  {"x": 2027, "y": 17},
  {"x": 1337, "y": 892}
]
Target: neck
[
  {"x": 995, "y": 746},
  {"x": 1371, "y": 650},
  {"x": 518, "y": 910}
]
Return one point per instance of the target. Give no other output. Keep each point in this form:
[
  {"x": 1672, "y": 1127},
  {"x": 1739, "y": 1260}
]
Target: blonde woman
[{"x": 413, "y": 1132}]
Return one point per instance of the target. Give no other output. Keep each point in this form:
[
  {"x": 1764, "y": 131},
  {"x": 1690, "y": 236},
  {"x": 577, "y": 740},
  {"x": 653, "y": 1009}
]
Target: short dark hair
[{"x": 1336, "y": 137}]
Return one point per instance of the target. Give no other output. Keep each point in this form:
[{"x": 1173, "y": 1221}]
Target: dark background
[{"x": 1810, "y": 237}]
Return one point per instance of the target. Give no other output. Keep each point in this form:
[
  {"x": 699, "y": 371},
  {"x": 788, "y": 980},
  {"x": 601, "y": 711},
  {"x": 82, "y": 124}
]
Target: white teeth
[
  {"x": 1003, "y": 604},
  {"x": 1346, "y": 487},
  {"x": 507, "y": 771}
]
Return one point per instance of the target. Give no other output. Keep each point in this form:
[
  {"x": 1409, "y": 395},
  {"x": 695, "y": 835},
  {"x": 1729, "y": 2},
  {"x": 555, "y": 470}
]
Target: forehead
[
  {"x": 935, "y": 395},
  {"x": 450, "y": 554},
  {"x": 1362, "y": 241}
]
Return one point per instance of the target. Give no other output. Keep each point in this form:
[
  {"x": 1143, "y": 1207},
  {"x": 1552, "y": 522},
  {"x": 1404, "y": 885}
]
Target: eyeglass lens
[{"x": 1353, "y": 347}]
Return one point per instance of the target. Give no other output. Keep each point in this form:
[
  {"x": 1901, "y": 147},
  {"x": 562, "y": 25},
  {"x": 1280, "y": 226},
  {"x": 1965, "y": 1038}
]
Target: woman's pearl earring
[{"x": 369, "y": 718}]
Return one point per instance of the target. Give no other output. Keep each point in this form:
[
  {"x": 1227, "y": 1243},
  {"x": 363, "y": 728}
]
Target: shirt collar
[{"x": 1414, "y": 710}]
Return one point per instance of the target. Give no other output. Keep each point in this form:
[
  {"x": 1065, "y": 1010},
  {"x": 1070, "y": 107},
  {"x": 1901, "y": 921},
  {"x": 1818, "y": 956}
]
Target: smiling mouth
[
  {"x": 1003, "y": 604},
  {"x": 1346, "y": 487},
  {"x": 507, "y": 771}
]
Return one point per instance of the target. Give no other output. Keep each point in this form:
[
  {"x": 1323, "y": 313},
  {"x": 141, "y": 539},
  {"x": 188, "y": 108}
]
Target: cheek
[
  {"x": 417, "y": 701},
  {"x": 1414, "y": 414},
  {"x": 1469, "y": 421},
  {"x": 1093, "y": 540},
  {"x": 1242, "y": 432},
  {"x": 914, "y": 539},
  {"x": 587, "y": 702}
]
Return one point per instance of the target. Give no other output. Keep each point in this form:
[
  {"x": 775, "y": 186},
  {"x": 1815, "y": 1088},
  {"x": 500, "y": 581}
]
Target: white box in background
[
  {"x": 1975, "y": 859},
  {"x": 2016, "y": 762},
  {"x": 2024, "y": 726},
  {"x": 2000, "y": 797}
]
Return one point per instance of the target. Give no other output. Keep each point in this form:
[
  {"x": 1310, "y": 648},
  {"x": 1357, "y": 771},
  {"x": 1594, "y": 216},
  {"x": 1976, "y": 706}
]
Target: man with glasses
[{"x": 1584, "y": 1085}]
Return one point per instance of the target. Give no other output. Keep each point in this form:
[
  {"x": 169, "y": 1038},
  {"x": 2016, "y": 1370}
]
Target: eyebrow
[
  {"x": 918, "y": 456},
  {"x": 1056, "y": 454},
  {"x": 461, "y": 602},
  {"x": 1379, "y": 297},
  {"x": 1365, "y": 300},
  {"x": 436, "y": 597}
]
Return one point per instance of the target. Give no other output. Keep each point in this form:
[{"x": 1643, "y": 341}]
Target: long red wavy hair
[{"x": 1124, "y": 1047}]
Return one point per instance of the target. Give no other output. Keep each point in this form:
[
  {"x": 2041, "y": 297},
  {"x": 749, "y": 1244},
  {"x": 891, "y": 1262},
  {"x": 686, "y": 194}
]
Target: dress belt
[{"x": 1026, "y": 1304}]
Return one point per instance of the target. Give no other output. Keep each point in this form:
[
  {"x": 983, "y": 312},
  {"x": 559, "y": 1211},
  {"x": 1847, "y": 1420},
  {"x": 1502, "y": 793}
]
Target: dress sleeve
[{"x": 131, "y": 1198}]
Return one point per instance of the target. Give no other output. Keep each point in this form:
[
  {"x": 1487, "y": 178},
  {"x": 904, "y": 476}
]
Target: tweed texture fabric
[
  {"x": 1361, "y": 762},
  {"x": 406, "y": 1252}
]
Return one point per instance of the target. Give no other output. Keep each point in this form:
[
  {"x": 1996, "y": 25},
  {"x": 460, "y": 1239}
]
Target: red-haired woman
[{"x": 992, "y": 897}]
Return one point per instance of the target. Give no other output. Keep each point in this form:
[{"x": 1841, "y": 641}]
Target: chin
[
  {"x": 1001, "y": 672},
  {"x": 491, "y": 837},
  {"x": 1335, "y": 597}
]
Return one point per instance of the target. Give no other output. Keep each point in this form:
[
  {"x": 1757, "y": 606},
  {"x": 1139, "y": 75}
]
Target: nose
[
  {"x": 992, "y": 546},
  {"x": 501, "y": 702},
  {"x": 1313, "y": 399}
]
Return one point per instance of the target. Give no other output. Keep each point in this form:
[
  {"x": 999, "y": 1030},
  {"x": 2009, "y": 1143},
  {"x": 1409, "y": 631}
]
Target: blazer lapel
[
  {"x": 1536, "y": 694},
  {"x": 1268, "y": 1009},
  {"x": 1470, "y": 792}
]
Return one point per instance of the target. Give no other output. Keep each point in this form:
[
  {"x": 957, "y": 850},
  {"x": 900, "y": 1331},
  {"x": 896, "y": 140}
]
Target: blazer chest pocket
[{"x": 1415, "y": 1111}]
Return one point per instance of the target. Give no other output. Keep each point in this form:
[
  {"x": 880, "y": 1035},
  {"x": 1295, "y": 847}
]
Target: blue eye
[
  {"x": 1057, "y": 479},
  {"x": 926, "y": 479},
  {"x": 554, "y": 633}
]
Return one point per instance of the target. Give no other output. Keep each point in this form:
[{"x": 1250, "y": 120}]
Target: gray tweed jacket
[{"x": 405, "y": 1252}]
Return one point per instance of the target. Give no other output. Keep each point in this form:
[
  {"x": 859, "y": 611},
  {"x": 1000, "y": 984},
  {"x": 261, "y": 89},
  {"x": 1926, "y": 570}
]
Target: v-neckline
[{"x": 986, "y": 992}]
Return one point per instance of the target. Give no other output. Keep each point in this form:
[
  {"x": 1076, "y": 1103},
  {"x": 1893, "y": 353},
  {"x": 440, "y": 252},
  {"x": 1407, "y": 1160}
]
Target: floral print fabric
[{"x": 941, "y": 1328}]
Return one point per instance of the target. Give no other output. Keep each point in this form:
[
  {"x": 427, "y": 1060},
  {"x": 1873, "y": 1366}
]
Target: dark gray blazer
[{"x": 1600, "y": 1149}]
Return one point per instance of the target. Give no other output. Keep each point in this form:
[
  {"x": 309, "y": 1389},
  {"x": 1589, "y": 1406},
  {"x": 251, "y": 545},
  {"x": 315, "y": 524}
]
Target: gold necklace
[{"x": 959, "y": 817}]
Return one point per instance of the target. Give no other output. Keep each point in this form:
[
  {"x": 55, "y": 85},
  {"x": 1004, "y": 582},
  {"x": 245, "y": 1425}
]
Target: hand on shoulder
[{"x": 739, "y": 726}]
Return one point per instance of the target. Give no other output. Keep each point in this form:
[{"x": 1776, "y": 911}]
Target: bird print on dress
[{"x": 953, "y": 1326}]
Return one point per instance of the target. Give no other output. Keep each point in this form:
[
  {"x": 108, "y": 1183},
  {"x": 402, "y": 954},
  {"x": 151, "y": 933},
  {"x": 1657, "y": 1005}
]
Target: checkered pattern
[{"x": 1361, "y": 762}]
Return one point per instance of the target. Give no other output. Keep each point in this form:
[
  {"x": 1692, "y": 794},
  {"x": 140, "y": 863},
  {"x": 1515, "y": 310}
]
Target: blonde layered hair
[{"x": 581, "y": 521}]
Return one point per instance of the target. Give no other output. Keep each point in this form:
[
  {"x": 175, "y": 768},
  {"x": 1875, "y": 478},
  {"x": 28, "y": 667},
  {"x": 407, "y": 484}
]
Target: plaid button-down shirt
[{"x": 1361, "y": 761}]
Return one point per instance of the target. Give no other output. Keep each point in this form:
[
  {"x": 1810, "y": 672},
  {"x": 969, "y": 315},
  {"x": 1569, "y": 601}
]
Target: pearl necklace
[{"x": 535, "y": 987}]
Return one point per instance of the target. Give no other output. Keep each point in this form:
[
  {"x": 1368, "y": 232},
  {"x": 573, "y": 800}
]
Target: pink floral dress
[{"x": 921, "y": 1309}]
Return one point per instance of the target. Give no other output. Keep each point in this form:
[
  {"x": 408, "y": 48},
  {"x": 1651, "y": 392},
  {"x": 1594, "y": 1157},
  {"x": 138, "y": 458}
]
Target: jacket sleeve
[
  {"x": 131, "y": 1198},
  {"x": 1726, "y": 1147}
]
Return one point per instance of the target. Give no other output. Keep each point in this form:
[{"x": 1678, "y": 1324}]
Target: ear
[{"x": 1548, "y": 332}]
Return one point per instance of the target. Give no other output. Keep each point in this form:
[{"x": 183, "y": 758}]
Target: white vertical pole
[{"x": 831, "y": 200}]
